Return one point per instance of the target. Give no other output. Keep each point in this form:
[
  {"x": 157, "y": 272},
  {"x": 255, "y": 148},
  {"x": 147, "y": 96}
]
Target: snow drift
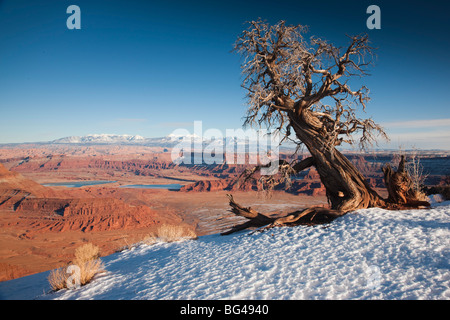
[{"x": 369, "y": 254}]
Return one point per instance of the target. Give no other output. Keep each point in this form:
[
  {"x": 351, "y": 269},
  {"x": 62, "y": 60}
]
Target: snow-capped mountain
[
  {"x": 178, "y": 137},
  {"x": 168, "y": 141},
  {"x": 101, "y": 138},
  {"x": 92, "y": 139}
]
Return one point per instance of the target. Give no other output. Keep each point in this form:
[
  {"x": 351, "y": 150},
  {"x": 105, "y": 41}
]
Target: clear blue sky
[{"x": 148, "y": 68}]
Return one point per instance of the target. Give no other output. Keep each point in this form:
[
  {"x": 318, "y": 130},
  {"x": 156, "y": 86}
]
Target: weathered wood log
[
  {"x": 255, "y": 218},
  {"x": 313, "y": 215}
]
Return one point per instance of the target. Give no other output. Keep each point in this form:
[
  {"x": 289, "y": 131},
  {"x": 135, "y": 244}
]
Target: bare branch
[{"x": 284, "y": 73}]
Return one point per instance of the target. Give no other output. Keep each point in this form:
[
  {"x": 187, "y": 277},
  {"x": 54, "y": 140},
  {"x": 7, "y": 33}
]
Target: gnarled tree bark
[
  {"x": 400, "y": 188},
  {"x": 315, "y": 215},
  {"x": 346, "y": 187}
]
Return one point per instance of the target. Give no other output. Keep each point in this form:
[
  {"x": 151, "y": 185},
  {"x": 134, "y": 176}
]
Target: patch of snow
[
  {"x": 174, "y": 136},
  {"x": 369, "y": 254}
]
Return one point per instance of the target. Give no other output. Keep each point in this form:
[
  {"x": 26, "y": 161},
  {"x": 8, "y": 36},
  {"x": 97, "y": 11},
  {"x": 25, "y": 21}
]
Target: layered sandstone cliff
[{"x": 41, "y": 209}]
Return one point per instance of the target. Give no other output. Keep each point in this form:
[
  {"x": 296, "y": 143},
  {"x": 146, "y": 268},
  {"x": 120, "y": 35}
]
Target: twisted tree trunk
[{"x": 346, "y": 187}]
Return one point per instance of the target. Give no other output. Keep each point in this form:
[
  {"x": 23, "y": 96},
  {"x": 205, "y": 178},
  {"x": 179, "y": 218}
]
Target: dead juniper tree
[{"x": 301, "y": 88}]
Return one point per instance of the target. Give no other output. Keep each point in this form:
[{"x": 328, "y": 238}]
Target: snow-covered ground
[{"x": 370, "y": 254}]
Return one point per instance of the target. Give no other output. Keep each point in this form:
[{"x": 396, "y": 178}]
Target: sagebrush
[{"x": 87, "y": 264}]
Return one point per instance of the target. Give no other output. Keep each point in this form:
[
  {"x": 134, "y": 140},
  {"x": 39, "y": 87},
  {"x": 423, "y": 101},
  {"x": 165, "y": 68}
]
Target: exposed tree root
[
  {"x": 398, "y": 184},
  {"x": 310, "y": 216},
  {"x": 400, "y": 188}
]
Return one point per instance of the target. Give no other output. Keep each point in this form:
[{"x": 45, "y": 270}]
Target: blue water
[
  {"x": 173, "y": 186},
  {"x": 76, "y": 184}
]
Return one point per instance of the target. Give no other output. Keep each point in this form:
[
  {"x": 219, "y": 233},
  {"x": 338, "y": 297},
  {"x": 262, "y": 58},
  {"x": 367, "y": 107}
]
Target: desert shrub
[
  {"x": 416, "y": 172},
  {"x": 170, "y": 233},
  {"x": 163, "y": 233},
  {"x": 86, "y": 253},
  {"x": 150, "y": 239},
  {"x": 89, "y": 269},
  {"x": 87, "y": 264},
  {"x": 58, "y": 279}
]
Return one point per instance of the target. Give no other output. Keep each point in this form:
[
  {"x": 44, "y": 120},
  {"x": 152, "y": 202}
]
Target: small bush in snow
[
  {"x": 82, "y": 270},
  {"x": 170, "y": 233}
]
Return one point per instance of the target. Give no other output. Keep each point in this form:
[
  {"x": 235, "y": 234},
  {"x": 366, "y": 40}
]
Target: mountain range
[
  {"x": 167, "y": 141},
  {"x": 172, "y": 140},
  {"x": 101, "y": 138}
]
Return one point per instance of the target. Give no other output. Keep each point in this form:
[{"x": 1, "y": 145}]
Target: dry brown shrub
[
  {"x": 89, "y": 269},
  {"x": 58, "y": 278},
  {"x": 86, "y": 253},
  {"x": 418, "y": 176},
  {"x": 163, "y": 233},
  {"x": 88, "y": 262},
  {"x": 171, "y": 233},
  {"x": 150, "y": 239}
]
